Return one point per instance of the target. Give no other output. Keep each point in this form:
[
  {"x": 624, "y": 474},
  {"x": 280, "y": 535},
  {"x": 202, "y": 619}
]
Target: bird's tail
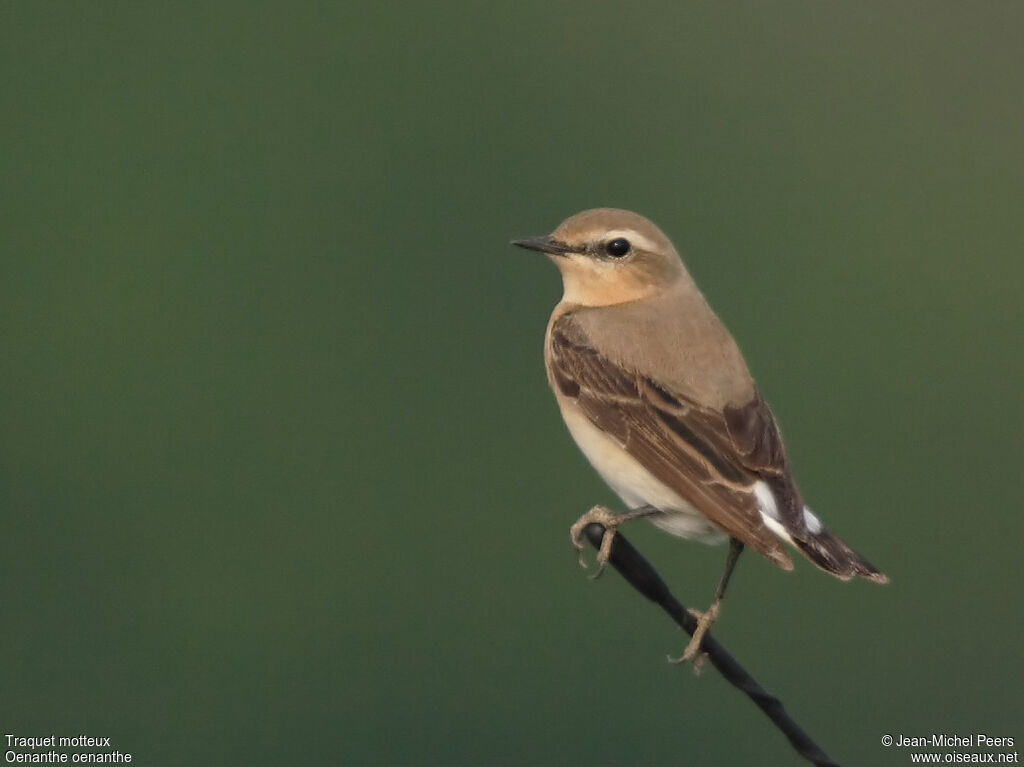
[{"x": 831, "y": 554}]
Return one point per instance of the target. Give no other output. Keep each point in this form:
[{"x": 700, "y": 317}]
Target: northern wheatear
[{"x": 658, "y": 397}]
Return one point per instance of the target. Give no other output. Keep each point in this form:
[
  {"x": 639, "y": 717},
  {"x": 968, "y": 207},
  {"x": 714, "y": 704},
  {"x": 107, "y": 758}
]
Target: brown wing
[{"x": 711, "y": 459}]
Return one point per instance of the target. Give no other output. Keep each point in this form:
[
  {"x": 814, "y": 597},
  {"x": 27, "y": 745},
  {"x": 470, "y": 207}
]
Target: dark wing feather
[{"x": 711, "y": 459}]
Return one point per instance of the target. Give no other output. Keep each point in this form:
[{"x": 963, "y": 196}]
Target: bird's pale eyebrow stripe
[{"x": 633, "y": 236}]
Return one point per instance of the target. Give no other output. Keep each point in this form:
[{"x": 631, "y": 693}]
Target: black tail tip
[{"x": 833, "y": 556}]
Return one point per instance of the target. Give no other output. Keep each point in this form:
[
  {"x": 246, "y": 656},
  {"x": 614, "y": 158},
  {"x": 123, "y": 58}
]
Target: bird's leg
[
  {"x": 610, "y": 522},
  {"x": 706, "y": 620}
]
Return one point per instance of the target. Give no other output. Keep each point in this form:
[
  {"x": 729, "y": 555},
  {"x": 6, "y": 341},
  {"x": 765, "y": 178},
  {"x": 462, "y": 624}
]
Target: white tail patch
[
  {"x": 777, "y": 528},
  {"x": 766, "y": 500},
  {"x": 814, "y": 525},
  {"x": 769, "y": 509}
]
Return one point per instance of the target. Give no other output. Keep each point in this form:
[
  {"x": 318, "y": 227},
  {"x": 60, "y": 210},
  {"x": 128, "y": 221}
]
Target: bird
[{"x": 657, "y": 395}]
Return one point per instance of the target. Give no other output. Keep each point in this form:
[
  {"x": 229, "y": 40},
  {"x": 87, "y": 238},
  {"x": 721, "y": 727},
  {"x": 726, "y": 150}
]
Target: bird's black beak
[{"x": 545, "y": 244}]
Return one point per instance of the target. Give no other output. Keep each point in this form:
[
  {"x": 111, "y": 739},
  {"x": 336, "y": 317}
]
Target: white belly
[{"x": 634, "y": 484}]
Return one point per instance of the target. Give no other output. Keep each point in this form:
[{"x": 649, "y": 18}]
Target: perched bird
[{"x": 657, "y": 395}]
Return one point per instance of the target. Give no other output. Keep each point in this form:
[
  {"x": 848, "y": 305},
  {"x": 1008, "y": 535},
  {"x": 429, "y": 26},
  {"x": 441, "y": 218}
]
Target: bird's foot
[
  {"x": 610, "y": 522},
  {"x": 693, "y": 650}
]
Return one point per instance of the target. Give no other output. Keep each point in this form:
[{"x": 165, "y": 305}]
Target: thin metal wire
[{"x": 639, "y": 573}]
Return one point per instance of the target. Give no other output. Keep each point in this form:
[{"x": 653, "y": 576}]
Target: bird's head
[{"x": 609, "y": 256}]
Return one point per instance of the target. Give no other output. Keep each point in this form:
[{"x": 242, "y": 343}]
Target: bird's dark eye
[{"x": 618, "y": 247}]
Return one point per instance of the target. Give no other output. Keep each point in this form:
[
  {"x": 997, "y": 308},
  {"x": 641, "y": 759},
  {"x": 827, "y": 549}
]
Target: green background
[{"x": 281, "y": 481}]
